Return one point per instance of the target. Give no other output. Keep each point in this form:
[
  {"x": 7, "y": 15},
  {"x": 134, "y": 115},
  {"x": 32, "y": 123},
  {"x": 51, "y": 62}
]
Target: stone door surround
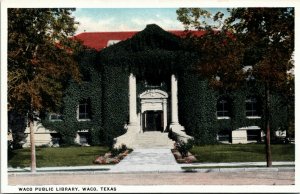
[{"x": 154, "y": 100}]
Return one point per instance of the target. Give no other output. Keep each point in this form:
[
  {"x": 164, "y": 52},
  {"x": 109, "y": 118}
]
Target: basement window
[
  {"x": 253, "y": 135},
  {"x": 84, "y": 138},
  {"x": 224, "y": 136}
]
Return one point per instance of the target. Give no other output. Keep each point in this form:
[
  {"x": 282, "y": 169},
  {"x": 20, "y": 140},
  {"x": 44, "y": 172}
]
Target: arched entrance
[{"x": 153, "y": 112}]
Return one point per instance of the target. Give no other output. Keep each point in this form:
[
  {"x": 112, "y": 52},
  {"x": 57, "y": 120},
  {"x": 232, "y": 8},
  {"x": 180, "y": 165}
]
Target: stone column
[
  {"x": 174, "y": 101},
  {"x": 132, "y": 128},
  {"x": 132, "y": 100},
  {"x": 165, "y": 113},
  {"x": 175, "y": 127}
]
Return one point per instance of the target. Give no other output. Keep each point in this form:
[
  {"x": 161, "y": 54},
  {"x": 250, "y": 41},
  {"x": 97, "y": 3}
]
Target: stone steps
[{"x": 152, "y": 140}]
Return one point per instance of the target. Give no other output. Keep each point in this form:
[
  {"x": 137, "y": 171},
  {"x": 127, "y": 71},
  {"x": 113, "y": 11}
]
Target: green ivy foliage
[
  {"x": 115, "y": 100},
  {"x": 196, "y": 106},
  {"x": 89, "y": 89},
  {"x": 153, "y": 54}
]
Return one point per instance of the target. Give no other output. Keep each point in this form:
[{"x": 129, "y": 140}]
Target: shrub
[
  {"x": 116, "y": 151},
  {"x": 173, "y": 136},
  {"x": 123, "y": 148},
  {"x": 43, "y": 146},
  {"x": 184, "y": 147}
]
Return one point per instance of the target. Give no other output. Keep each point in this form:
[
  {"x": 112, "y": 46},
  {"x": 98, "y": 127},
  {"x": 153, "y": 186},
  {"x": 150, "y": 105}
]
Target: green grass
[
  {"x": 62, "y": 156},
  {"x": 242, "y": 152}
]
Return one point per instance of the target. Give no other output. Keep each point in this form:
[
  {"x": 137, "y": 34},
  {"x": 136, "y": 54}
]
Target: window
[
  {"x": 252, "y": 107},
  {"x": 55, "y": 117},
  {"x": 253, "y": 135},
  {"x": 85, "y": 75},
  {"x": 84, "y": 138},
  {"x": 84, "y": 112},
  {"x": 224, "y": 136},
  {"x": 153, "y": 84},
  {"x": 55, "y": 138},
  {"x": 223, "y": 107}
]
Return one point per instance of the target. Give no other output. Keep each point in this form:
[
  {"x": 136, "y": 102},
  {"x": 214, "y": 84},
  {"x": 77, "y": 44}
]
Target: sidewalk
[
  {"x": 148, "y": 160},
  {"x": 110, "y": 169}
]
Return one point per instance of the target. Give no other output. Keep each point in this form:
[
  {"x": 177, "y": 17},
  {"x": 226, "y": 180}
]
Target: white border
[
  {"x": 3, "y": 99},
  {"x": 145, "y": 4}
]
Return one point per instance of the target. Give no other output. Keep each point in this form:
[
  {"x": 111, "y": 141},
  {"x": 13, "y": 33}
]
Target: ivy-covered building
[{"x": 139, "y": 82}]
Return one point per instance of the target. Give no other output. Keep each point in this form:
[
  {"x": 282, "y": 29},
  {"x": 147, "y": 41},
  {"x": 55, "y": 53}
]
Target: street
[{"x": 154, "y": 178}]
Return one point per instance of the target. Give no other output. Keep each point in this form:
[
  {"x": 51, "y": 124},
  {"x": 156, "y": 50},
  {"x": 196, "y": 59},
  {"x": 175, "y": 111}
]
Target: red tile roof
[{"x": 99, "y": 40}]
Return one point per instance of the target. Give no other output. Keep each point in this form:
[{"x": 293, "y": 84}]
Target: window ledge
[
  {"x": 253, "y": 117},
  {"x": 82, "y": 120},
  {"x": 83, "y": 131},
  {"x": 55, "y": 120},
  {"x": 220, "y": 118},
  {"x": 251, "y": 141}
]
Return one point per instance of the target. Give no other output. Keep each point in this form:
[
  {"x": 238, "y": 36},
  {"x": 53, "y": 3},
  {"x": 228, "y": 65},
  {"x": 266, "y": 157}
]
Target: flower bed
[
  {"x": 114, "y": 156},
  {"x": 183, "y": 159},
  {"x": 181, "y": 152}
]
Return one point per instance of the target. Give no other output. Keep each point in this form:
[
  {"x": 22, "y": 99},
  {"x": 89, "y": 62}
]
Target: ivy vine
[{"x": 151, "y": 54}]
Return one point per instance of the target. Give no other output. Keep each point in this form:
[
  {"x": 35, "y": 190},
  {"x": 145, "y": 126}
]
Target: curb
[
  {"x": 263, "y": 169},
  {"x": 202, "y": 170},
  {"x": 262, "y": 164}
]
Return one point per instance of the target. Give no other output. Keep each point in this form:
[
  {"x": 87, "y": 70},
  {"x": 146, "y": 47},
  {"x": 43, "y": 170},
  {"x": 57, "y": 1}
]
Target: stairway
[{"x": 153, "y": 139}]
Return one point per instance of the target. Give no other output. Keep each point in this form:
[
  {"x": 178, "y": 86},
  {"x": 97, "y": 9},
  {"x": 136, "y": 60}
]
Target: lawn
[
  {"x": 79, "y": 156},
  {"x": 62, "y": 156},
  {"x": 242, "y": 152}
]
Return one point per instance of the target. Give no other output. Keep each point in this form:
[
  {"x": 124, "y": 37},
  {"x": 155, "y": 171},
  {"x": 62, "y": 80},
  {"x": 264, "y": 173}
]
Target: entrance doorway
[
  {"x": 153, "y": 121},
  {"x": 153, "y": 112}
]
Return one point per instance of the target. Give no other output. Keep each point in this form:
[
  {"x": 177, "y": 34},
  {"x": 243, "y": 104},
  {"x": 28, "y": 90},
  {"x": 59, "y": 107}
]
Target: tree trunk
[
  {"x": 268, "y": 133},
  {"x": 32, "y": 142}
]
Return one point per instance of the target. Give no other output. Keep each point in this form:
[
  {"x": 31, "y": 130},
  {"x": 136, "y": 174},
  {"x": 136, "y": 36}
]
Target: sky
[{"x": 127, "y": 19}]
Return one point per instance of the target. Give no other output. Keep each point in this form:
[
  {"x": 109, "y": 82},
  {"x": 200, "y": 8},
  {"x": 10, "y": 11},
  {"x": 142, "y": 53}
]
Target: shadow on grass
[{"x": 10, "y": 154}]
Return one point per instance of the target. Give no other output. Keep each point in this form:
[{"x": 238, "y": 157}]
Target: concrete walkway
[{"x": 148, "y": 160}]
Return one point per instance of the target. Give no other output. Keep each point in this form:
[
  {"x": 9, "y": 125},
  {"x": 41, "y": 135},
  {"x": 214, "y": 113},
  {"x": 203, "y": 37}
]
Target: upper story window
[
  {"x": 253, "y": 108},
  {"x": 153, "y": 84},
  {"x": 55, "y": 117},
  {"x": 85, "y": 75},
  {"x": 84, "y": 110},
  {"x": 223, "y": 108}
]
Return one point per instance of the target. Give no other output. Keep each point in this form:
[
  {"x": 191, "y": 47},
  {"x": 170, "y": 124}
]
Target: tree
[
  {"x": 265, "y": 38},
  {"x": 41, "y": 57},
  {"x": 218, "y": 59}
]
